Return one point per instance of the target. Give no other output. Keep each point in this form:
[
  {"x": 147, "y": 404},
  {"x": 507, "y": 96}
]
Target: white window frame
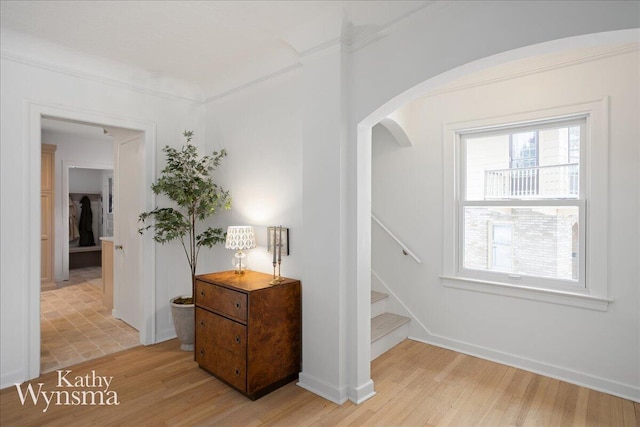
[
  {"x": 579, "y": 203},
  {"x": 591, "y": 292}
]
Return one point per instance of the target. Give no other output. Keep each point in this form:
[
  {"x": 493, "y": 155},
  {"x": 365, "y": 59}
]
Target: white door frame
[{"x": 34, "y": 112}]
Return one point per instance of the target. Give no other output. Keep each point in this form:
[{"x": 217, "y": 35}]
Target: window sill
[{"x": 536, "y": 294}]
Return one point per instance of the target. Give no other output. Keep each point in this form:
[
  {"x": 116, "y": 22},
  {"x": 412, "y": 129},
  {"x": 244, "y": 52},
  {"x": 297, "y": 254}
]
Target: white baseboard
[
  {"x": 9, "y": 379},
  {"x": 165, "y": 335},
  {"x": 334, "y": 394},
  {"x": 359, "y": 394},
  {"x": 626, "y": 391}
]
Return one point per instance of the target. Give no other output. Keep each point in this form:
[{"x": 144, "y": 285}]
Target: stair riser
[
  {"x": 378, "y": 307},
  {"x": 389, "y": 341}
]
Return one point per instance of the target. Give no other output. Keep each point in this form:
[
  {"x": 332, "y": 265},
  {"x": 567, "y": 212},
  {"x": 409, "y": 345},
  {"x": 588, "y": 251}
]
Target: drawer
[
  {"x": 222, "y": 300},
  {"x": 223, "y": 364},
  {"x": 221, "y": 332}
]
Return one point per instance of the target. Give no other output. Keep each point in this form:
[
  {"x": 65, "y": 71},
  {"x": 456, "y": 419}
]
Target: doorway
[
  {"x": 77, "y": 323},
  {"x": 145, "y": 165}
]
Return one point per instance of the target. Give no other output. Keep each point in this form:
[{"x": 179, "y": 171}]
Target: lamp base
[{"x": 239, "y": 262}]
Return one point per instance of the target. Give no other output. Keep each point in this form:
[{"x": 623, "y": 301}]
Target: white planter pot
[{"x": 184, "y": 322}]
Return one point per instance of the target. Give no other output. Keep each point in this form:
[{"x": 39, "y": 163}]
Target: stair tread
[
  {"x": 377, "y": 296},
  {"x": 386, "y": 322}
]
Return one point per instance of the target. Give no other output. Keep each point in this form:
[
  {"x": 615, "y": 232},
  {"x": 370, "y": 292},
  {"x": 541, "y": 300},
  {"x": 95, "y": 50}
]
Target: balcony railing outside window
[{"x": 540, "y": 182}]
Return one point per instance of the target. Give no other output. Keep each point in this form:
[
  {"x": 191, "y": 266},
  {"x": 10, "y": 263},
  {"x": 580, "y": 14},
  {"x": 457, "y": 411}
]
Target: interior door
[{"x": 127, "y": 205}]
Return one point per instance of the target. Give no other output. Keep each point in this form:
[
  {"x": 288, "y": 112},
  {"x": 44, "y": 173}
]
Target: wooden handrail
[{"x": 405, "y": 250}]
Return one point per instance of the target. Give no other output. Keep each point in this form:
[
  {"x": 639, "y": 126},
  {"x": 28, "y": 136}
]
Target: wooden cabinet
[
  {"x": 47, "y": 212},
  {"x": 107, "y": 273},
  {"x": 248, "y": 332}
]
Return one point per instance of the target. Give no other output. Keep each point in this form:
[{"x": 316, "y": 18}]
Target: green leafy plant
[{"x": 187, "y": 181}]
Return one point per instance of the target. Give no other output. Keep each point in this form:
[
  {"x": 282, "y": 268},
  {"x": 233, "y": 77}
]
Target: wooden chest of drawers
[{"x": 248, "y": 333}]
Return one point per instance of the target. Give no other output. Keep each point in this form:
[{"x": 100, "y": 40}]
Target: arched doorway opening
[{"x": 364, "y": 159}]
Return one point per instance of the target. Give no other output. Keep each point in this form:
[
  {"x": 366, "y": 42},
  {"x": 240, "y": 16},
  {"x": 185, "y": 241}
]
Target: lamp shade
[{"x": 240, "y": 237}]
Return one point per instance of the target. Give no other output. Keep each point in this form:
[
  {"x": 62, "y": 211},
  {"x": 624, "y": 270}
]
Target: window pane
[
  {"x": 538, "y": 164},
  {"x": 540, "y": 241},
  {"x": 501, "y": 250},
  {"x": 502, "y": 234}
]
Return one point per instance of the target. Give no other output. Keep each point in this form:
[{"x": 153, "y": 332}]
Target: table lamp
[{"x": 240, "y": 237}]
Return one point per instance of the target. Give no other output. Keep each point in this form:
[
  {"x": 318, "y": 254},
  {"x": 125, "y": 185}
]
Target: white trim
[
  {"x": 394, "y": 25},
  {"x": 396, "y": 300},
  {"x": 38, "y": 63},
  {"x": 325, "y": 390},
  {"x": 32, "y": 289},
  {"x": 625, "y": 391},
  {"x": 252, "y": 83},
  {"x": 396, "y": 131},
  {"x": 359, "y": 394},
  {"x": 594, "y": 174},
  {"x": 572, "y": 299},
  {"x": 359, "y": 309},
  {"x": 34, "y": 111}
]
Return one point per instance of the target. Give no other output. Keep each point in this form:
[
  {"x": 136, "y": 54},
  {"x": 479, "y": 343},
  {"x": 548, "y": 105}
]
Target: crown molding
[
  {"x": 255, "y": 82},
  {"x": 123, "y": 84},
  {"x": 358, "y": 43},
  {"x": 348, "y": 41}
]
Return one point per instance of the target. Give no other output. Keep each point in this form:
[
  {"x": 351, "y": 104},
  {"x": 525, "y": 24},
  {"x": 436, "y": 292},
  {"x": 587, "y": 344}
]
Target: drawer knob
[
  {"x": 201, "y": 293},
  {"x": 202, "y": 352},
  {"x": 237, "y": 372},
  {"x": 237, "y": 339},
  {"x": 202, "y": 323},
  {"x": 238, "y": 305}
]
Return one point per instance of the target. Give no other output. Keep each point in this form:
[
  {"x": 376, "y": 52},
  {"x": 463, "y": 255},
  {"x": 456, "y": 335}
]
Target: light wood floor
[{"x": 416, "y": 384}]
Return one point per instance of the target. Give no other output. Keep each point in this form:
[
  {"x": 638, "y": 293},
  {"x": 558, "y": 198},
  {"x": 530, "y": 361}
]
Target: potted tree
[{"x": 188, "y": 182}]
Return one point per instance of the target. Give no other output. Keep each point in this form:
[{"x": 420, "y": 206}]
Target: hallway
[{"x": 75, "y": 326}]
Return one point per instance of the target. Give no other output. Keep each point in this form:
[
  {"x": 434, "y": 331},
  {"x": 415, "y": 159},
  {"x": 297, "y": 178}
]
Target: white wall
[
  {"x": 598, "y": 349},
  {"x": 85, "y": 181},
  {"x": 361, "y": 87},
  {"x": 260, "y": 130},
  {"x": 285, "y": 166},
  {"x": 22, "y": 83},
  {"x": 72, "y": 149}
]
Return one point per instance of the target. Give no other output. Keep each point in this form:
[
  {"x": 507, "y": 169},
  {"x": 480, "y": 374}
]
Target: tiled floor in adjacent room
[{"x": 76, "y": 326}]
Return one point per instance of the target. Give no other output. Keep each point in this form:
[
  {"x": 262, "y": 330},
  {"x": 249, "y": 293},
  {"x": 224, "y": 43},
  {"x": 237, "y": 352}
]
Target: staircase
[{"x": 387, "y": 329}]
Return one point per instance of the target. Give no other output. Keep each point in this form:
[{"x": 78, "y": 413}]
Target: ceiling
[
  {"x": 216, "y": 45},
  {"x": 84, "y": 131}
]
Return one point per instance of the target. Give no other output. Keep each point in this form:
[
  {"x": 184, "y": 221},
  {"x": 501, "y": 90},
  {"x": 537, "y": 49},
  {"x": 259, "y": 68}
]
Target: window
[
  {"x": 520, "y": 186},
  {"x": 525, "y": 205},
  {"x": 523, "y": 160},
  {"x": 500, "y": 251}
]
